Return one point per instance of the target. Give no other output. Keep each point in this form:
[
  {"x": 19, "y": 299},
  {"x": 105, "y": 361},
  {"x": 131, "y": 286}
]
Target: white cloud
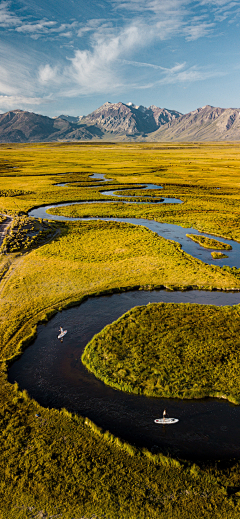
[
  {"x": 199, "y": 30},
  {"x": 7, "y": 85},
  {"x": 21, "y": 102},
  {"x": 177, "y": 67},
  {"x": 19, "y": 87},
  {"x": 155, "y": 6},
  {"x": 222, "y": 9},
  {"x": 7, "y": 19},
  {"x": 179, "y": 15},
  {"x": 161, "y": 18},
  {"x": 41, "y": 26},
  {"x": 11, "y": 21},
  {"x": 179, "y": 73},
  {"x": 66, "y": 34},
  {"x": 47, "y": 73},
  {"x": 191, "y": 74},
  {"x": 99, "y": 70},
  {"x": 96, "y": 69},
  {"x": 93, "y": 70},
  {"x": 15, "y": 71},
  {"x": 92, "y": 25},
  {"x": 188, "y": 75}
]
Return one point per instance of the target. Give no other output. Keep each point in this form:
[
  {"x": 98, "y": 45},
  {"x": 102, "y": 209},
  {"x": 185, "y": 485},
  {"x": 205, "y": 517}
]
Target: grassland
[
  {"x": 170, "y": 350},
  {"x": 209, "y": 243},
  {"x": 60, "y": 463},
  {"x": 218, "y": 255}
]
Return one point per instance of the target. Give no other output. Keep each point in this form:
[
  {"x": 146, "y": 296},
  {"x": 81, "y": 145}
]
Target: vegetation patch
[
  {"x": 218, "y": 255},
  {"x": 26, "y": 233},
  {"x": 170, "y": 350},
  {"x": 209, "y": 243},
  {"x": 14, "y": 192}
]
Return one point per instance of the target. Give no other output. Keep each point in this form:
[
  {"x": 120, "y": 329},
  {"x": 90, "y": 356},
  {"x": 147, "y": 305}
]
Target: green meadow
[
  {"x": 170, "y": 350},
  {"x": 63, "y": 464}
]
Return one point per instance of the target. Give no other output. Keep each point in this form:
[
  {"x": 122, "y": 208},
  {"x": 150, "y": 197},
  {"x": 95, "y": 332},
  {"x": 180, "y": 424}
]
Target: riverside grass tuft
[
  {"x": 56, "y": 463},
  {"x": 209, "y": 243},
  {"x": 218, "y": 255},
  {"x": 170, "y": 350}
]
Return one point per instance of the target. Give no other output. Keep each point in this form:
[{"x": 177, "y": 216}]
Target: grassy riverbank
[
  {"x": 65, "y": 466},
  {"x": 170, "y": 350},
  {"x": 58, "y": 463}
]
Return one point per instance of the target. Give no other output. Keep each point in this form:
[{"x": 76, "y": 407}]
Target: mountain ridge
[
  {"x": 129, "y": 119},
  {"x": 123, "y": 121}
]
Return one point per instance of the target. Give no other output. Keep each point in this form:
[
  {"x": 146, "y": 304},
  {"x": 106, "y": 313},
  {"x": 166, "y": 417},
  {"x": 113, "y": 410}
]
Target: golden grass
[
  {"x": 209, "y": 243},
  {"x": 170, "y": 350},
  {"x": 36, "y": 466}
]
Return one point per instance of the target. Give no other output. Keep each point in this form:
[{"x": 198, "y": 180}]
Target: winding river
[
  {"x": 53, "y": 374},
  {"x": 168, "y": 231}
]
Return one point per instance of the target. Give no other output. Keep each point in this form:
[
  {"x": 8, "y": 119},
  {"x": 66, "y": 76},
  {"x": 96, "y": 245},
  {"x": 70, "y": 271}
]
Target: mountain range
[{"x": 123, "y": 122}]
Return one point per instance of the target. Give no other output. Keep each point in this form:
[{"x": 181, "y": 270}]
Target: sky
[{"x": 70, "y": 57}]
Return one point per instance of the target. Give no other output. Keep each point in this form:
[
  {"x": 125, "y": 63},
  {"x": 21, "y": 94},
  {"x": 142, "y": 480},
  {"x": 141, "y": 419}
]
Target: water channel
[
  {"x": 168, "y": 231},
  {"x": 53, "y": 374}
]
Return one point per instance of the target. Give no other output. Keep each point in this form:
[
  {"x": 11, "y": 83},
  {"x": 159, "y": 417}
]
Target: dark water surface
[{"x": 53, "y": 374}]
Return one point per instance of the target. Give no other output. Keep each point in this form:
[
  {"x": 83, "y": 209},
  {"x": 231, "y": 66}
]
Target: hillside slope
[
  {"x": 21, "y": 126},
  {"x": 204, "y": 124}
]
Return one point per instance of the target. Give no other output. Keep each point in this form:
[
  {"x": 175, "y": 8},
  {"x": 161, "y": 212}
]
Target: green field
[
  {"x": 170, "y": 350},
  {"x": 59, "y": 463}
]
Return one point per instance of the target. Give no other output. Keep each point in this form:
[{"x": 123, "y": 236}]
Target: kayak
[
  {"x": 62, "y": 334},
  {"x": 166, "y": 420}
]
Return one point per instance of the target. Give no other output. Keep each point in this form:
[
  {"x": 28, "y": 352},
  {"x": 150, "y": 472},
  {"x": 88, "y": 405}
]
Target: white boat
[
  {"x": 166, "y": 421},
  {"x": 61, "y": 335}
]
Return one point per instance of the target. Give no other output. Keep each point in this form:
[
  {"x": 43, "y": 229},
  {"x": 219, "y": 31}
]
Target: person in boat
[
  {"x": 61, "y": 329},
  {"x": 164, "y": 414}
]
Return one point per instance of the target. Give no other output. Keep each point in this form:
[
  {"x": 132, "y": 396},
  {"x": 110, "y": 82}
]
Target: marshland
[{"x": 61, "y": 461}]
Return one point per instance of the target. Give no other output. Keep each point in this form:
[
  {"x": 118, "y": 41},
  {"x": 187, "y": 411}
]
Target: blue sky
[{"x": 70, "y": 57}]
